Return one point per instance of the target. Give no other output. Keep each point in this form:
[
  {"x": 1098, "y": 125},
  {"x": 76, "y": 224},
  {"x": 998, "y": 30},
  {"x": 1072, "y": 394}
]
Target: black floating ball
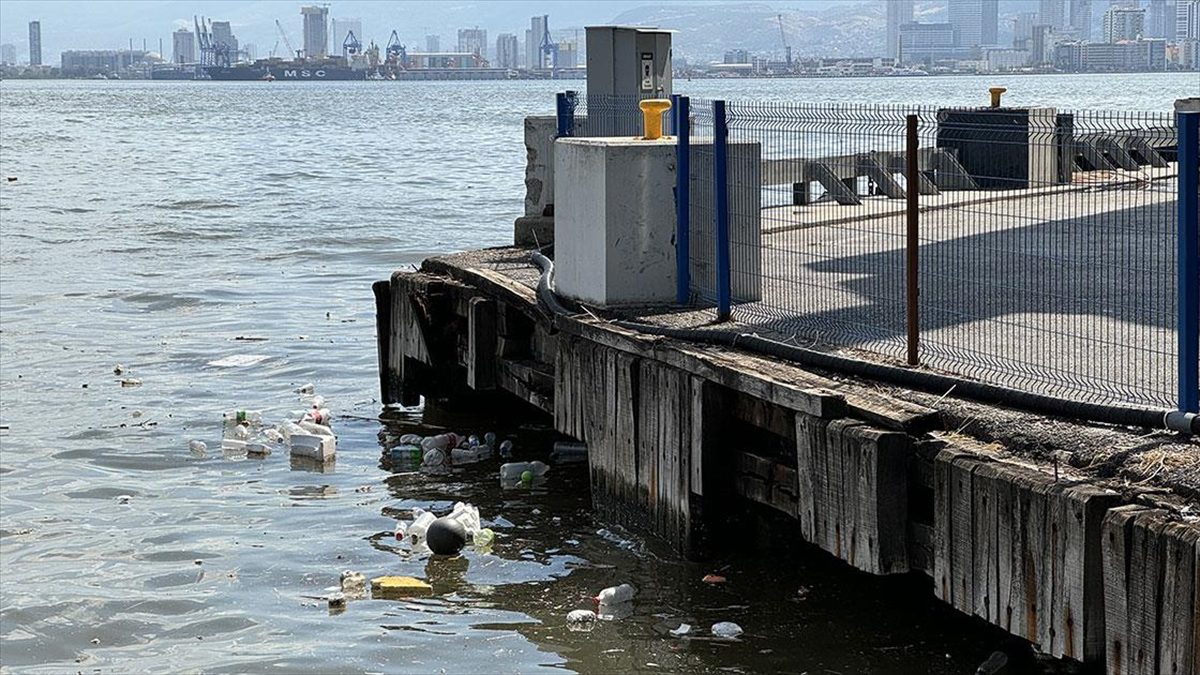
[{"x": 446, "y": 536}]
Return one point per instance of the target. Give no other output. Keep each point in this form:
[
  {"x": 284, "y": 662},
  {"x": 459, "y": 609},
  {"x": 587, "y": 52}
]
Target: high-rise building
[
  {"x": 929, "y": 42},
  {"x": 473, "y": 41},
  {"x": 1187, "y": 19},
  {"x": 8, "y": 54},
  {"x": 1041, "y": 49},
  {"x": 1081, "y": 19},
  {"x": 433, "y": 44},
  {"x": 222, "y": 36},
  {"x": 1124, "y": 4},
  {"x": 899, "y": 12},
  {"x": 1023, "y": 29},
  {"x": 507, "y": 55},
  {"x": 1052, "y": 13},
  {"x": 341, "y": 29},
  {"x": 184, "y": 42},
  {"x": 1122, "y": 24},
  {"x": 1157, "y": 24},
  {"x": 568, "y": 54},
  {"x": 534, "y": 36},
  {"x": 35, "y": 43},
  {"x": 975, "y": 20},
  {"x": 316, "y": 31}
]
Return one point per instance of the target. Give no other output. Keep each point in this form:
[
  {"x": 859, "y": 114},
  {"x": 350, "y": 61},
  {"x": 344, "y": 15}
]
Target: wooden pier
[{"x": 680, "y": 433}]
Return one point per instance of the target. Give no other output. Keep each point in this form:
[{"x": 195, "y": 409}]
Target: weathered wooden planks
[
  {"x": 852, "y": 492},
  {"x": 1150, "y": 601},
  {"x": 1016, "y": 548},
  {"x": 481, "y": 344}
]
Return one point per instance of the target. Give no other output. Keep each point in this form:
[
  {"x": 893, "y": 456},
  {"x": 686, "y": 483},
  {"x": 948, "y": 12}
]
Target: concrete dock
[{"x": 1042, "y": 527}]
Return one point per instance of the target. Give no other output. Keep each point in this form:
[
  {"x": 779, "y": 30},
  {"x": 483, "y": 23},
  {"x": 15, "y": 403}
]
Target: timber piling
[{"x": 681, "y": 433}]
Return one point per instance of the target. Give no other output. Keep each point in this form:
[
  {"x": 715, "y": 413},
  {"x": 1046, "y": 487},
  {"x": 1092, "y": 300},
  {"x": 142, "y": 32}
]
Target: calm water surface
[{"x": 158, "y": 225}]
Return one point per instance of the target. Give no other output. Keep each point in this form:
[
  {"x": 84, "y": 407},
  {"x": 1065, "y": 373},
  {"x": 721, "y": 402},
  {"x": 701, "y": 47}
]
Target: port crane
[
  {"x": 286, "y": 42},
  {"x": 351, "y": 46},
  {"x": 396, "y": 53},
  {"x": 783, "y": 38},
  {"x": 211, "y": 53},
  {"x": 548, "y": 47}
]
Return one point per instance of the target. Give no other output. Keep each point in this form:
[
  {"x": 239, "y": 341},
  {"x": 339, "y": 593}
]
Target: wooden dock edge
[{"x": 675, "y": 431}]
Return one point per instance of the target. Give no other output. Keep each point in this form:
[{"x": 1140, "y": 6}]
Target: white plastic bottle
[
  {"x": 415, "y": 533},
  {"x": 616, "y": 594}
]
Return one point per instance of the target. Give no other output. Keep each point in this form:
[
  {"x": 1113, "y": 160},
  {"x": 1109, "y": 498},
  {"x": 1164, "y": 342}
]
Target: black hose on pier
[{"x": 934, "y": 383}]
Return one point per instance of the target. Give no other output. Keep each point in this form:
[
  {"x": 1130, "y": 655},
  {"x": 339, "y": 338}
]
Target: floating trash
[{"x": 726, "y": 629}]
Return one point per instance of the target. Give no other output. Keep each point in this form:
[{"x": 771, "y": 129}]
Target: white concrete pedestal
[{"x": 614, "y": 220}]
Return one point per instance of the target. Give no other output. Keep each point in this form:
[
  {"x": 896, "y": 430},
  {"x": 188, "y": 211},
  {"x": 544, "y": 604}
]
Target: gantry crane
[{"x": 783, "y": 38}]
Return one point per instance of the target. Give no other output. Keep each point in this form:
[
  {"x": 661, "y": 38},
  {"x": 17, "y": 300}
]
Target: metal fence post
[
  {"x": 912, "y": 181},
  {"x": 683, "y": 212},
  {"x": 564, "y": 109},
  {"x": 1187, "y": 116},
  {"x": 721, "y": 208}
]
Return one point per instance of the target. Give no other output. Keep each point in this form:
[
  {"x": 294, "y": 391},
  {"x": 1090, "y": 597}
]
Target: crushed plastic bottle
[
  {"x": 726, "y": 629},
  {"x": 410, "y": 439},
  {"x": 489, "y": 439},
  {"x": 289, "y": 429},
  {"x": 581, "y": 620},
  {"x": 306, "y": 389},
  {"x": 198, "y": 447},
  {"x": 515, "y": 470},
  {"x": 683, "y": 629},
  {"x": 406, "y": 452},
  {"x": 615, "y": 595},
  {"x": 467, "y": 515},
  {"x": 273, "y": 435},
  {"x": 506, "y": 449},
  {"x": 483, "y": 539},
  {"x": 434, "y": 459},
  {"x": 470, "y": 455}
]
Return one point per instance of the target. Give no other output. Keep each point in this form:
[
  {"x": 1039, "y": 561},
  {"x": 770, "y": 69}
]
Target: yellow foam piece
[{"x": 399, "y": 587}]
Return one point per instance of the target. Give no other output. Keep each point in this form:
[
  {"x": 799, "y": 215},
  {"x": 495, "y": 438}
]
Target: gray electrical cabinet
[{"x": 625, "y": 64}]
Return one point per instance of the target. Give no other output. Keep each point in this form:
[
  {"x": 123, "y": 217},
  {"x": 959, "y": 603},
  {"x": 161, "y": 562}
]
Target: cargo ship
[{"x": 271, "y": 69}]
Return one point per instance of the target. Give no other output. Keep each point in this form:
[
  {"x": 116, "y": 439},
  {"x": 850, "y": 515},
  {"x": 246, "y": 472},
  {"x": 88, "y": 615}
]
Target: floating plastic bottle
[
  {"x": 483, "y": 539},
  {"x": 515, "y": 470},
  {"x": 506, "y": 449},
  {"x": 614, "y": 595},
  {"x": 247, "y": 417},
  {"x": 440, "y": 442},
  {"x": 318, "y": 401},
  {"x": 490, "y": 439},
  {"x": 198, "y": 447},
  {"x": 470, "y": 455},
  {"x": 410, "y": 439},
  {"x": 467, "y": 515},
  {"x": 306, "y": 389},
  {"x": 317, "y": 416},
  {"x": 289, "y": 429},
  {"x": 274, "y": 436},
  {"x": 415, "y": 533},
  {"x": 407, "y": 452},
  {"x": 434, "y": 459}
]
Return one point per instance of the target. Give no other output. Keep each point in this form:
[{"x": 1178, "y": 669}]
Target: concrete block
[
  {"x": 539, "y": 165},
  {"x": 614, "y": 223}
]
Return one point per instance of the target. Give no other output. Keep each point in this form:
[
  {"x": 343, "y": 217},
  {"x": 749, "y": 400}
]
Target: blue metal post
[
  {"x": 1187, "y": 116},
  {"x": 721, "y": 208},
  {"x": 564, "y": 109},
  {"x": 683, "y": 247}
]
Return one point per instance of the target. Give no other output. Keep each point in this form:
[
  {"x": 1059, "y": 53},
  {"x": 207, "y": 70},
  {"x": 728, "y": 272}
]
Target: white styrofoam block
[{"x": 320, "y": 448}]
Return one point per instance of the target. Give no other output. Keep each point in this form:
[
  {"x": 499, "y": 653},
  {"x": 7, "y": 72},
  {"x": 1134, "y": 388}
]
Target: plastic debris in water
[
  {"x": 483, "y": 539},
  {"x": 198, "y": 447},
  {"x": 615, "y": 594},
  {"x": 581, "y": 620},
  {"x": 683, "y": 629},
  {"x": 337, "y": 602},
  {"x": 131, "y": 382},
  {"x": 354, "y": 584},
  {"x": 726, "y": 629},
  {"x": 124, "y": 499},
  {"x": 713, "y": 579},
  {"x": 306, "y": 388},
  {"x": 118, "y": 369}
]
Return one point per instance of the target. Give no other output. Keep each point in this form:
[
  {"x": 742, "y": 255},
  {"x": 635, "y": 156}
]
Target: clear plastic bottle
[
  {"x": 410, "y": 439},
  {"x": 434, "y": 458},
  {"x": 248, "y": 417},
  {"x": 318, "y": 416},
  {"x": 467, "y": 516},
  {"x": 506, "y": 449},
  {"x": 440, "y": 442},
  {"x": 198, "y": 447},
  {"x": 483, "y": 539},
  {"x": 514, "y": 470}
]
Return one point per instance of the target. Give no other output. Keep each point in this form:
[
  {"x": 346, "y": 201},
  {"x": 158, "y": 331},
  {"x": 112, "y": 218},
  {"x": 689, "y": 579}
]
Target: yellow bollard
[
  {"x": 996, "y": 93},
  {"x": 652, "y": 112}
]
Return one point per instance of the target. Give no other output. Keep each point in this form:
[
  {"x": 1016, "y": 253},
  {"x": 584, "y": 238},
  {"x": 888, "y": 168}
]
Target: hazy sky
[{"x": 109, "y": 24}]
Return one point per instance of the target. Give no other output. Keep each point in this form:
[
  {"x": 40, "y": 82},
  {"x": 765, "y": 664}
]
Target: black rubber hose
[{"x": 930, "y": 382}]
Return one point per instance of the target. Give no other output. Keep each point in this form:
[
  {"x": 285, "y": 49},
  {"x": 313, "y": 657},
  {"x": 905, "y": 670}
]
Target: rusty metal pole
[{"x": 912, "y": 180}]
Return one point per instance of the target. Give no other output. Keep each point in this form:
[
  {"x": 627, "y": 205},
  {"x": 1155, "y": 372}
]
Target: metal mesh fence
[
  {"x": 1043, "y": 243},
  {"x": 1046, "y": 240}
]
